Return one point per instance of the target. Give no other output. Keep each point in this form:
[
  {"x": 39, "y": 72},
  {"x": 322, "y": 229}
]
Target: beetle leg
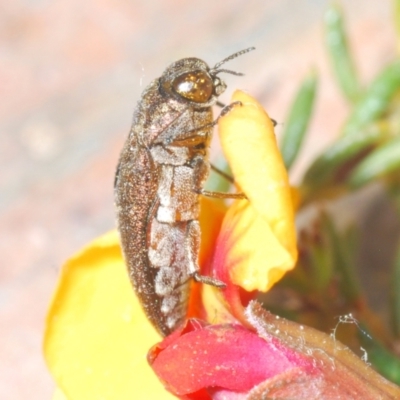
[
  {"x": 189, "y": 141},
  {"x": 227, "y": 109},
  {"x": 196, "y": 139},
  {"x": 222, "y": 105},
  {"x": 223, "y": 195},
  {"x": 222, "y": 173},
  {"x": 117, "y": 175},
  {"x": 192, "y": 248},
  {"x": 201, "y": 174},
  {"x": 208, "y": 280}
]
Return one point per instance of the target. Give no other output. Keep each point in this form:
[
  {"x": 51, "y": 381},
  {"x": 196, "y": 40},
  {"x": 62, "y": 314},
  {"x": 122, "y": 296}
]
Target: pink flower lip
[{"x": 226, "y": 356}]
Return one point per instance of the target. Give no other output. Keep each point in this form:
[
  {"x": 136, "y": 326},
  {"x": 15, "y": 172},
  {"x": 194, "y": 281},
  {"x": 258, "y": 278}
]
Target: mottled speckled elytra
[{"x": 161, "y": 173}]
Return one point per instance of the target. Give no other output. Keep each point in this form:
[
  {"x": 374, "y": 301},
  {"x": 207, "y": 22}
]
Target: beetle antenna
[
  {"x": 227, "y": 71},
  {"x": 231, "y": 57}
]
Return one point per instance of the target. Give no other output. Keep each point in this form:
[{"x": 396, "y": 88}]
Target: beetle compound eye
[{"x": 195, "y": 86}]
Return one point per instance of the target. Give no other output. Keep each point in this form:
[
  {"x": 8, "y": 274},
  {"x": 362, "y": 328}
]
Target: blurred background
[{"x": 71, "y": 73}]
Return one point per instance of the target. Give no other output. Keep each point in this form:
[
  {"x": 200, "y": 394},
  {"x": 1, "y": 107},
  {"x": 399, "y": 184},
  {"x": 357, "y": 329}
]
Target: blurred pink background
[{"x": 71, "y": 73}]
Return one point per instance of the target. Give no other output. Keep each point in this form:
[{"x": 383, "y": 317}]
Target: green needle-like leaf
[
  {"x": 342, "y": 151},
  {"x": 343, "y": 261},
  {"x": 385, "y": 159},
  {"x": 384, "y": 362},
  {"x": 376, "y": 101},
  {"x": 298, "y": 119},
  {"x": 341, "y": 59}
]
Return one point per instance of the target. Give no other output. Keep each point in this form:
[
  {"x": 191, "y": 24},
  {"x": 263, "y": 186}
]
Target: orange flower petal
[
  {"x": 97, "y": 336},
  {"x": 262, "y": 240},
  {"x": 211, "y": 217}
]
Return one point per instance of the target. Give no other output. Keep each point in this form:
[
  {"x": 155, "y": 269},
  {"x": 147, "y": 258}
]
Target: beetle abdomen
[{"x": 157, "y": 198}]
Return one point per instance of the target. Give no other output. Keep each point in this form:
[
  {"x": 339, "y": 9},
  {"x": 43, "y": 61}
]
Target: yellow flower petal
[
  {"x": 97, "y": 336},
  {"x": 59, "y": 395},
  {"x": 264, "y": 238},
  {"x": 217, "y": 311}
]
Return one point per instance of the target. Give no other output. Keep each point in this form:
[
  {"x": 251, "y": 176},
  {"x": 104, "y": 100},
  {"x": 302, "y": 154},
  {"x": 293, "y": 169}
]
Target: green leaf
[
  {"x": 341, "y": 59},
  {"x": 382, "y": 359},
  {"x": 313, "y": 271},
  {"x": 342, "y": 151},
  {"x": 298, "y": 120},
  {"x": 343, "y": 260},
  {"x": 359, "y": 134},
  {"x": 376, "y": 100},
  {"x": 385, "y": 159}
]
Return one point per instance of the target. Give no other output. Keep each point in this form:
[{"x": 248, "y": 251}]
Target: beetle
[{"x": 161, "y": 173}]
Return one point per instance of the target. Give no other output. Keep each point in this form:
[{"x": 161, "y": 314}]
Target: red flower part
[
  {"x": 234, "y": 297},
  {"x": 200, "y": 362}
]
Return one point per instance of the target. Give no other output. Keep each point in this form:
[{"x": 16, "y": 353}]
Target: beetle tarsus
[
  {"x": 208, "y": 280},
  {"x": 223, "y": 195}
]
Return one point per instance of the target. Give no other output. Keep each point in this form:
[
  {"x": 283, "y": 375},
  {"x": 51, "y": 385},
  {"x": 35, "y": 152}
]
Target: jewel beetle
[{"x": 161, "y": 173}]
